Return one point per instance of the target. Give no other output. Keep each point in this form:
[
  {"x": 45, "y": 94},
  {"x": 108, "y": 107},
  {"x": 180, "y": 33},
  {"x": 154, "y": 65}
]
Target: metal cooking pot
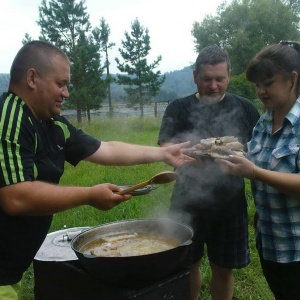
[{"x": 134, "y": 271}]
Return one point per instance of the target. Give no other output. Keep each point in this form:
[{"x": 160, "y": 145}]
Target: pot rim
[{"x": 183, "y": 244}]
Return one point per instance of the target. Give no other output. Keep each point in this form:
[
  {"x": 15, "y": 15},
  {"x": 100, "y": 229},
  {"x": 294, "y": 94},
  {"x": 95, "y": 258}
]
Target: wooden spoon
[{"x": 163, "y": 177}]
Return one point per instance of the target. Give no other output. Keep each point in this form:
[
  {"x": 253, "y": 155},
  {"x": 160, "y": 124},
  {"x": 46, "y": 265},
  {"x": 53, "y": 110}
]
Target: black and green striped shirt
[{"x": 32, "y": 150}]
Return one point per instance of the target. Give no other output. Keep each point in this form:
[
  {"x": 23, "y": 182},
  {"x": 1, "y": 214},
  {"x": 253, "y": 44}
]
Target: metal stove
[{"x": 59, "y": 275}]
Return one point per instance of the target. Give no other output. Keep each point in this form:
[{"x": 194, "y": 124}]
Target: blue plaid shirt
[{"x": 278, "y": 228}]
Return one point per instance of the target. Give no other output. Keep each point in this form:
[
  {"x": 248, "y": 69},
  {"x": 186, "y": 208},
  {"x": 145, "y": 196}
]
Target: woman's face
[{"x": 276, "y": 92}]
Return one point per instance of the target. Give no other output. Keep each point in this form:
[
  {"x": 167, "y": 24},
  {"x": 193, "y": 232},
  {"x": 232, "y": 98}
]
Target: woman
[{"x": 273, "y": 166}]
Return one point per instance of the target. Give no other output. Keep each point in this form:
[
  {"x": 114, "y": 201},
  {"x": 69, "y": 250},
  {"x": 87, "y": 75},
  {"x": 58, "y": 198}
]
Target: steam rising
[{"x": 203, "y": 188}]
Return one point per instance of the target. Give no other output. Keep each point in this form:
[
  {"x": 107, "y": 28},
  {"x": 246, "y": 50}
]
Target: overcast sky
[{"x": 169, "y": 23}]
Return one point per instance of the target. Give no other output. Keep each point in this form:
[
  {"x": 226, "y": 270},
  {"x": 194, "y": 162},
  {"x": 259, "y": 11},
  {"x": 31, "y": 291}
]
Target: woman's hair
[
  {"x": 212, "y": 55},
  {"x": 282, "y": 58},
  {"x": 37, "y": 55}
]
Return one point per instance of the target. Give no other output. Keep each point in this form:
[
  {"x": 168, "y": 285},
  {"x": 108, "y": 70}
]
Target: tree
[
  {"x": 245, "y": 26},
  {"x": 90, "y": 89},
  {"x": 26, "y": 39},
  {"x": 65, "y": 23},
  {"x": 239, "y": 85},
  {"x": 294, "y": 5},
  {"x": 142, "y": 83},
  {"x": 101, "y": 35}
]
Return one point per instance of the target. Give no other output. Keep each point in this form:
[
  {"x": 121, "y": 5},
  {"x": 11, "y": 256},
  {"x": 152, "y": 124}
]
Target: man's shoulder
[
  {"x": 238, "y": 98},
  {"x": 246, "y": 103},
  {"x": 3, "y": 96}
]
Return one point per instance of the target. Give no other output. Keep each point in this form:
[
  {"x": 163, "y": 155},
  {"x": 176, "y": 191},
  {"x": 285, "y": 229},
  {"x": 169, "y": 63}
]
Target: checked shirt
[{"x": 278, "y": 229}]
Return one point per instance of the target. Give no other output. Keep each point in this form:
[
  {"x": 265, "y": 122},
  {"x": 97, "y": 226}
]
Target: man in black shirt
[
  {"x": 212, "y": 202},
  {"x": 35, "y": 143}
]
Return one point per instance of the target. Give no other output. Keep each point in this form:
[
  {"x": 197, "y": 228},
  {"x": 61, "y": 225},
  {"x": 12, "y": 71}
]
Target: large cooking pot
[{"x": 134, "y": 271}]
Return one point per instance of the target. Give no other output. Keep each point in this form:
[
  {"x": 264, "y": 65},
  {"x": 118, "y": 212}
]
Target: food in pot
[
  {"x": 129, "y": 245},
  {"x": 219, "y": 147}
]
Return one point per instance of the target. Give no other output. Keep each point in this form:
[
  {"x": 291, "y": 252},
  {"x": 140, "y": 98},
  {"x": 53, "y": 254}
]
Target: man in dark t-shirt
[
  {"x": 34, "y": 146},
  {"x": 212, "y": 202}
]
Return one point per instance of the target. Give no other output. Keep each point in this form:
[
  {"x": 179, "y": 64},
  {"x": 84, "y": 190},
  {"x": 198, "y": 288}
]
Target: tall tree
[
  {"x": 243, "y": 27},
  {"x": 141, "y": 82},
  {"x": 101, "y": 35},
  {"x": 90, "y": 89},
  {"x": 26, "y": 39},
  {"x": 65, "y": 23},
  {"x": 294, "y": 5}
]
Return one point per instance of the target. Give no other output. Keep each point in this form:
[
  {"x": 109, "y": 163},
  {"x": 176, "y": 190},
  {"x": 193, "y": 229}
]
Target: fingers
[
  {"x": 238, "y": 166},
  {"x": 104, "y": 197},
  {"x": 184, "y": 144},
  {"x": 114, "y": 188},
  {"x": 235, "y": 159}
]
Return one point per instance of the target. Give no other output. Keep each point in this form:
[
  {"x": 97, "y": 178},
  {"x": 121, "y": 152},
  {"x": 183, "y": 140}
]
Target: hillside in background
[
  {"x": 177, "y": 84},
  {"x": 4, "y": 80}
]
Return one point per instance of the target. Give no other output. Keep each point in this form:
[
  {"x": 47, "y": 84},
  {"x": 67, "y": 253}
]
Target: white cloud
[{"x": 169, "y": 23}]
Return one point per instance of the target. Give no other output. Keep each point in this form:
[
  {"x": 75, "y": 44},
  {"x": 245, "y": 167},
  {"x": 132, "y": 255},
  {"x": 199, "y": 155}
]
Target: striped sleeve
[{"x": 17, "y": 143}]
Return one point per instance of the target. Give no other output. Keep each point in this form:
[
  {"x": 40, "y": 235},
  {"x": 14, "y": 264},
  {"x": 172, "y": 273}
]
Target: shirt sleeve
[
  {"x": 79, "y": 145},
  {"x": 17, "y": 148},
  {"x": 170, "y": 124}
]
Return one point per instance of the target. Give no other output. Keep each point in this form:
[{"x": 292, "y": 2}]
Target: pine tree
[
  {"x": 101, "y": 35},
  {"x": 65, "y": 23},
  {"x": 141, "y": 82}
]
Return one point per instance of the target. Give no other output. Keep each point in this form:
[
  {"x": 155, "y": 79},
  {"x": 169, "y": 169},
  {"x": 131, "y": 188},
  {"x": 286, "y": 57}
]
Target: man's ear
[
  {"x": 31, "y": 78},
  {"x": 294, "y": 78},
  {"x": 229, "y": 75},
  {"x": 195, "y": 75}
]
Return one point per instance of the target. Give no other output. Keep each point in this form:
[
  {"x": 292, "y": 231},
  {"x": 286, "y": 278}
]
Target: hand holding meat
[{"x": 238, "y": 166}]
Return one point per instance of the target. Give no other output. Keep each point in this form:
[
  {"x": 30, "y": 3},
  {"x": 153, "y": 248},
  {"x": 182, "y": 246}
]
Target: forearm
[
  {"x": 166, "y": 144},
  {"x": 287, "y": 182},
  {"x": 118, "y": 153},
  {"x": 40, "y": 198}
]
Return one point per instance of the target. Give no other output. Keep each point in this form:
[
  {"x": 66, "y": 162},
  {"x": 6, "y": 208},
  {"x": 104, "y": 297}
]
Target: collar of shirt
[{"x": 292, "y": 116}]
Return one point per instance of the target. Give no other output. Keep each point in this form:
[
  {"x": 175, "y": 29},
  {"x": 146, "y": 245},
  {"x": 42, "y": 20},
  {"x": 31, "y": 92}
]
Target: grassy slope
[{"x": 249, "y": 282}]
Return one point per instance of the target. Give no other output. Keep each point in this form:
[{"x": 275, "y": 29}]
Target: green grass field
[{"x": 249, "y": 282}]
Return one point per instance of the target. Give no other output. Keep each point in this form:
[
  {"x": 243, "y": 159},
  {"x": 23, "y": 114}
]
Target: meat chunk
[{"x": 220, "y": 147}]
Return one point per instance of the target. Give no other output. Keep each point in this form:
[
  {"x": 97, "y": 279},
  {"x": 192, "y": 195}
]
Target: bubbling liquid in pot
[{"x": 129, "y": 245}]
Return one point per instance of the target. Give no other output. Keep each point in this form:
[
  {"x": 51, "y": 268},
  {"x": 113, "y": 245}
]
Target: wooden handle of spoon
[{"x": 134, "y": 187}]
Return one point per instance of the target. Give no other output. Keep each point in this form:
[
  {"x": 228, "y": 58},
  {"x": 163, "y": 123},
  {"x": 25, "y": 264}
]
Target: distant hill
[
  {"x": 4, "y": 80},
  {"x": 177, "y": 84}
]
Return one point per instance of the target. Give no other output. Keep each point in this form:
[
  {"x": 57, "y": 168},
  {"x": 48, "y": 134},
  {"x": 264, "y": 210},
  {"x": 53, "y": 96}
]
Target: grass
[{"x": 249, "y": 282}]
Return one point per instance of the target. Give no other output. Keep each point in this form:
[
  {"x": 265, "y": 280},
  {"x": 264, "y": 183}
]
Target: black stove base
[{"x": 68, "y": 281}]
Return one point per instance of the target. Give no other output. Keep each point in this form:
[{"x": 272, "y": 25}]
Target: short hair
[
  {"x": 282, "y": 58},
  {"x": 37, "y": 55},
  {"x": 212, "y": 55}
]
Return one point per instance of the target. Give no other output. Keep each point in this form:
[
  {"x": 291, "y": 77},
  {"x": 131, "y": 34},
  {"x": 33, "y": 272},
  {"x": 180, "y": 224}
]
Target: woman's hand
[{"x": 238, "y": 166}]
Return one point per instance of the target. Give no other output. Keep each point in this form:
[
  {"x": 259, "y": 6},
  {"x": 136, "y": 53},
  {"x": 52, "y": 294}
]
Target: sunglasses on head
[{"x": 292, "y": 44}]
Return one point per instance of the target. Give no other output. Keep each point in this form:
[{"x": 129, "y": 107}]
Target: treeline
[
  {"x": 242, "y": 27},
  {"x": 177, "y": 84}
]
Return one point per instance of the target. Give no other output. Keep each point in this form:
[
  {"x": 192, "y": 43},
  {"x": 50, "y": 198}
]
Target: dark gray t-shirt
[{"x": 202, "y": 189}]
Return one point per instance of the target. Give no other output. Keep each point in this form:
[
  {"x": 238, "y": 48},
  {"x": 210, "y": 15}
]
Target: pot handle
[
  {"x": 187, "y": 243},
  {"x": 89, "y": 256}
]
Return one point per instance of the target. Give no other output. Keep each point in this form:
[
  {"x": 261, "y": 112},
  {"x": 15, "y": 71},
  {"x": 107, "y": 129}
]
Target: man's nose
[
  {"x": 65, "y": 92},
  {"x": 260, "y": 90},
  {"x": 213, "y": 84}
]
